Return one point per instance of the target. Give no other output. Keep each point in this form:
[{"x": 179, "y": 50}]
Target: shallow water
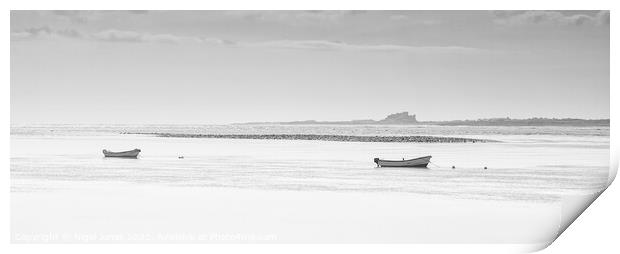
[{"x": 537, "y": 164}]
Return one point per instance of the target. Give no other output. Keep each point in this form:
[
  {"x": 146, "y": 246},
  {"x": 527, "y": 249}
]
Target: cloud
[
  {"x": 404, "y": 19},
  {"x": 138, "y": 11},
  {"x": 43, "y": 32},
  {"x": 132, "y": 36},
  {"x": 517, "y": 18},
  {"x": 69, "y": 33},
  {"x": 72, "y": 15},
  {"x": 81, "y": 17},
  {"x": 38, "y": 31},
  {"x": 318, "y": 45},
  {"x": 121, "y": 36},
  {"x": 107, "y": 35},
  {"x": 602, "y": 17},
  {"x": 304, "y": 17},
  {"x": 322, "y": 45},
  {"x": 320, "y": 15}
]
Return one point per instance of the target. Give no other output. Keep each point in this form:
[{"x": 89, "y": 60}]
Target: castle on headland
[
  {"x": 404, "y": 118},
  {"x": 399, "y": 118}
]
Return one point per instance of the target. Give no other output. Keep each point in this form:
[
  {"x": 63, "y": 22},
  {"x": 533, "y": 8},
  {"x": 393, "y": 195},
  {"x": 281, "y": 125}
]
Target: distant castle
[
  {"x": 404, "y": 118},
  {"x": 400, "y": 118}
]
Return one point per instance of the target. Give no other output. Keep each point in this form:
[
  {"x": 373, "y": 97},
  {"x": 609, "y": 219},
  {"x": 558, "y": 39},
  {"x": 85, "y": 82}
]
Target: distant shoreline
[
  {"x": 340, "y": 138},
  {"x": 404, "y": 118},
  {"x": 585, "y": 123}
]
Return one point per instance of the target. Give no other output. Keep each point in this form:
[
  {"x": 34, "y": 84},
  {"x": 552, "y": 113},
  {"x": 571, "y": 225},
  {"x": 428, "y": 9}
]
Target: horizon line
[{"x": 292, "y": 121}]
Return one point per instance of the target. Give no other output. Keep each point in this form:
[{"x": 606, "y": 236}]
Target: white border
[{"x": 595, "y": 231}]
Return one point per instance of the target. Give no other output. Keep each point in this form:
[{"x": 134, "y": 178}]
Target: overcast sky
[{"x": 243, "y": 66}]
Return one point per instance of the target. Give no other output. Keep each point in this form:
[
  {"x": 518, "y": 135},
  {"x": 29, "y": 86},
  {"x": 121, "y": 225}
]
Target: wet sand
[{"x": 111, "y": 212}]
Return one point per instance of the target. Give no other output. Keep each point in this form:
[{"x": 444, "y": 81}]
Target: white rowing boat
[
  {"x": 126, "y": 154},
  {"x": 420, "y": 162}
]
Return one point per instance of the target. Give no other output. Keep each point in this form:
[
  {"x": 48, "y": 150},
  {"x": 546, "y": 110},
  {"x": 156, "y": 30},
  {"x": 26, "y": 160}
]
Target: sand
[{"x": 122, "y": 213}]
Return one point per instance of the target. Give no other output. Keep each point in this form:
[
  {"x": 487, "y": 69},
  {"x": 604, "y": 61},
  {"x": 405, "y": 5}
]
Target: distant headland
[{"x": 403, "y": 118}]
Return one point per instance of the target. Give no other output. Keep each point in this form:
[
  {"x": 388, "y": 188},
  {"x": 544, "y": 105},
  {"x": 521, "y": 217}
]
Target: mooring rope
[
  {"x": 435, "y": 164},
  {"x": 452, "y": 167}
]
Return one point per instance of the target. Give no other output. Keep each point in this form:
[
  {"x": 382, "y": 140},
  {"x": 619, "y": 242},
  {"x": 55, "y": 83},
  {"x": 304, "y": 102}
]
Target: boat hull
[
  {"x": 420, "y": 162},
  {"x": 126, "y": 154}
]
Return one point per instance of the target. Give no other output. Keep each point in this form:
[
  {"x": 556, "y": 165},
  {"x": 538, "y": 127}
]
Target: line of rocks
[{"x": 342, "y": 138}]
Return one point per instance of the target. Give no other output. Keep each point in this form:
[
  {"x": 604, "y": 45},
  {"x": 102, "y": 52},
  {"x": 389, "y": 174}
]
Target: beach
[
  {"x": 112, "y": 212},
  {"x": 297, "y": 191}
]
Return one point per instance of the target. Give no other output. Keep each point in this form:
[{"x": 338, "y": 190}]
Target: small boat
[
  {"x": 420, "y": 162},
  {"x": 126, "y": 154}
]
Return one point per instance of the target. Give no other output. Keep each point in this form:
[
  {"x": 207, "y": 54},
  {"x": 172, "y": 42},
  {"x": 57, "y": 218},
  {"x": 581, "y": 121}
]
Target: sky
[{"x": 213, "y": 67}]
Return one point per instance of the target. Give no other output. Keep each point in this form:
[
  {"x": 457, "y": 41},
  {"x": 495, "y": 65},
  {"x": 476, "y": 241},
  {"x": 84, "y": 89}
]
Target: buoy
[
  {"x": 453, "y": 167},
  {"x": 485, "y": 167}
]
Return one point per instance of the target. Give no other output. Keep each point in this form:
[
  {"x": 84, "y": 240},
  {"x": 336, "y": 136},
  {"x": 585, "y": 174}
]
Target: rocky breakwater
[{"x": 341, "y": 138}]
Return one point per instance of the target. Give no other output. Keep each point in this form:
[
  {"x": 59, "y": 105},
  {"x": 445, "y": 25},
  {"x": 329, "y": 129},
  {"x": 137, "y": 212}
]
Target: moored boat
[
  {"x": 420, "y": 162},
  {"x": 126, "y": 154}
]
